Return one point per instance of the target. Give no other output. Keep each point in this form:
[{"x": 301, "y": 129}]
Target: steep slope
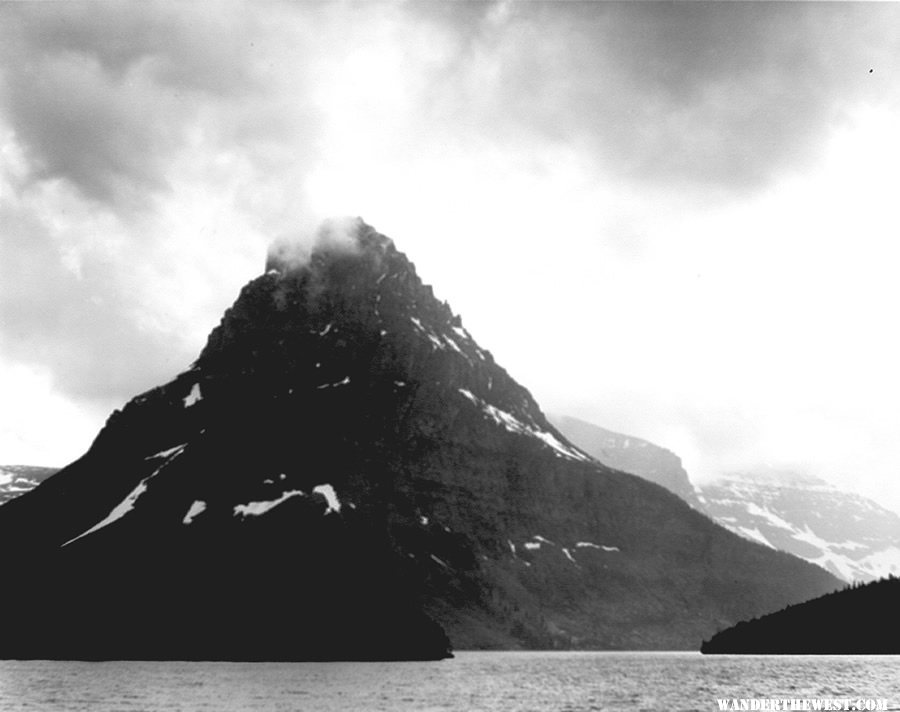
[
  {"x": 16, "y": 480},
  {"x": 851, "y": 536},
  {"x": 629, "y": 454},
  {"x": 345, "y": 473},
  {"x": 859, "y": 620}
]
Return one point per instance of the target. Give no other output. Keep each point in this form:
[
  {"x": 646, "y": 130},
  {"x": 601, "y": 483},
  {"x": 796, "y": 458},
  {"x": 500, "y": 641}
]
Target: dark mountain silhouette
[
  {"x": 630, "y": 454},
  {"x": 345, "y": 473},
  {"x": 858, "y": 620}
]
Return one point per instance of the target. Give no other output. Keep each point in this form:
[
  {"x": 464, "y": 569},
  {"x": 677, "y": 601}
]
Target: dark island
[{"x": 858, "y": 620}]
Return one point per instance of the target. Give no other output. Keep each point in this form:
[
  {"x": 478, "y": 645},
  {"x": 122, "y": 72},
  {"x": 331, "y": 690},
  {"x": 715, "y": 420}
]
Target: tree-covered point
[{"x": 859, "y": 619}]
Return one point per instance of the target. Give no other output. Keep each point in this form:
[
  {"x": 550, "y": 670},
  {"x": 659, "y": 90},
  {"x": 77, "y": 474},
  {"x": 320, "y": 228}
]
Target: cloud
[
  {"x": 714, "y": 95},
  {"x": 109, "y": 95},
  {"x": 78, "y": 317},
  {"x": 145, "y": 159}
]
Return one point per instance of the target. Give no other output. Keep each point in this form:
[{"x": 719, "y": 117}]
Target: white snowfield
[
  {"x": 774, "y": 519},
  {"x": 466, "y": 337},
  {"x": 514, "y": 425},
  {"x": 436, "y": 343},
  {"x": 591, "y": 545},
  {"x": 196, "y": 508},
  {"x": 127, "y": 504},
  {"x": 453, "y": 345},
  {"x": 342, "y": 382},
  {"x": 537, "y": 541},
  {"x": 762, "y": 508},
  {"x": 752, "y": 533},
  {"x": 255, "y": 509},
  {"x": 167, "y": 453},
  {"x": 445, "y": 340},
  {"x": 327, "y": 491},
  {"x": 194, "y": 396}
]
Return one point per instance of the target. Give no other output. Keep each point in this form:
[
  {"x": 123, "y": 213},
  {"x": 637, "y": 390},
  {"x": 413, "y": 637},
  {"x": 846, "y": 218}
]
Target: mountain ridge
[
  {"x": 630, "y": 454},
  {"x": 849, "y": 535},
  {"x": 342, "y": 437}
]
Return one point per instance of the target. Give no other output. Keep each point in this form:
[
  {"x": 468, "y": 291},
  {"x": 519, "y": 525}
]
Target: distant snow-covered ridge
[
  {"x": 16, "y": 480},
  {"x": 849, "y": 535}
]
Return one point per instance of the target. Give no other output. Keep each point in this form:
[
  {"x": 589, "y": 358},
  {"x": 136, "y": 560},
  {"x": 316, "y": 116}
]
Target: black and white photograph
[{"x": 435, "y": 355}]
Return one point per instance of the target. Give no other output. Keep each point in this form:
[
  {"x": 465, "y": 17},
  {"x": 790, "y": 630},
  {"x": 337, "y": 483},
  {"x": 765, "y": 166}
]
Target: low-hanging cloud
[{"x": 336, "y": 234}]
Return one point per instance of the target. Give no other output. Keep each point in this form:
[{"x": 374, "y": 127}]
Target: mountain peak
[
  {"x": 333, "y": 239},
  {"x": 345, "y": 473},
  {"x": 352, "y": 308}
]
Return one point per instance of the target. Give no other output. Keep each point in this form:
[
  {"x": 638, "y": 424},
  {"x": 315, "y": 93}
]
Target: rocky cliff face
[
  {"x": 345, "y": 473},
  {"x": 630, "y": 454}
]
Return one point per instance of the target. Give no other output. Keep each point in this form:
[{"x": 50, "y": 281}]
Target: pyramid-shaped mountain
[{"x": 344, "y": 473}]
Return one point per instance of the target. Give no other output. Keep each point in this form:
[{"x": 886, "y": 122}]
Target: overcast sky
[{"x": 678, "y": 221}]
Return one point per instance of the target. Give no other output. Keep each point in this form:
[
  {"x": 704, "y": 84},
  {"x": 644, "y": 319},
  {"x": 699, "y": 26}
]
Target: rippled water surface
[{"x": 494, "y": 682}]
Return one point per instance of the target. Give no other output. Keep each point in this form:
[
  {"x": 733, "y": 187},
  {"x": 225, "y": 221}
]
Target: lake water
[{"x": 488, "y": 681}]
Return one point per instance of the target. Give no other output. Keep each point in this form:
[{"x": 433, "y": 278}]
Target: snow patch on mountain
[
  {"x": 514, "y": 425},
  {"x": 196, "y": 508},
  {"x": 256, "y": 509},
  {"x": 127, "y": 504},
  {"x": 119, "y": 511},
  {"x": 591, "y": 545},
  {"x": 167, "y": 453},
  {"x": 850, "y": 536},
  {"x": 753, "y": 534},
  {"x": 194, "y": 396},
  {"x": 773, "y": 519},
  {"x": 343, "y": 382},
  {"x": 327, "y": 491}
]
